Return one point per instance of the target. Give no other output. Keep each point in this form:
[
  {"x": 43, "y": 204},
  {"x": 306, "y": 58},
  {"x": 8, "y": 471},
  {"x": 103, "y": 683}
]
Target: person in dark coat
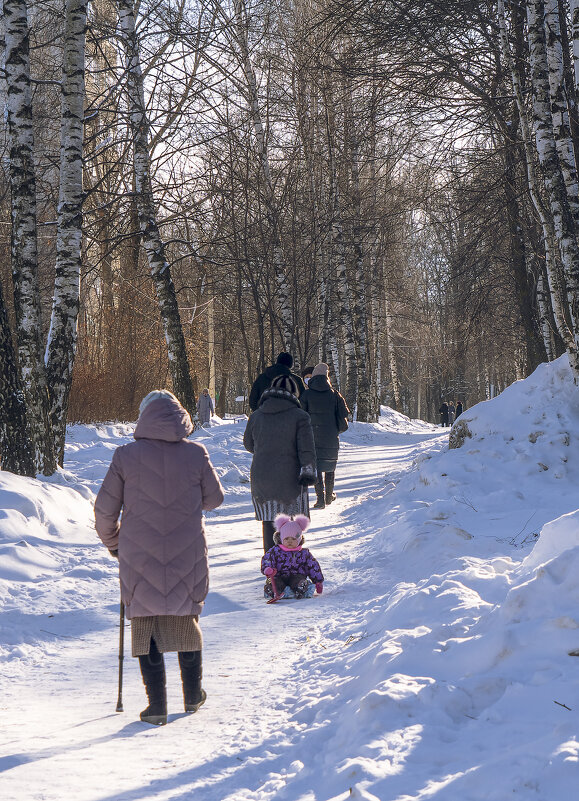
[
  {"x": 443, "y": 414},
  {"x": 458, "y": 410},
  {"x": 279, "y": 435},
  {"x": 262, "y": 382},
  {"x": 329, "y": 415}
]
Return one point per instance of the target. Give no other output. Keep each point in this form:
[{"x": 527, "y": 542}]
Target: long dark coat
[
  {"x": 279, "y": 435},
  {"x": 263, "y": 382},
  {"x": 325, "y": 407}
]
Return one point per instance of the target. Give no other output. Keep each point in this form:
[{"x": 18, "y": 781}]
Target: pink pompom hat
[{"x": 291, "y": 528}]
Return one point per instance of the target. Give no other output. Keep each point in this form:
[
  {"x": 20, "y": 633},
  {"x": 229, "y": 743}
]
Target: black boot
[
  {"x": 321, "y": 501},
  {"x": 330, "y": 494},
  {"x": 153, "y": 671},
  {"x": 191, "y": 672},
  {"x": 268, "y": 532}
]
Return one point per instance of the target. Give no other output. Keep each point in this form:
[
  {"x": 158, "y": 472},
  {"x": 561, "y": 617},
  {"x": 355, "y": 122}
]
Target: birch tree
[
  {"x": 241, "y": 24},
  {"x": 150, "y": 234},
  {"x": 24, "y": 242},
  {"x": 16, "y": 454},
  {"x": 62, "y": 336},
  {"x": 552, "y": 173}
]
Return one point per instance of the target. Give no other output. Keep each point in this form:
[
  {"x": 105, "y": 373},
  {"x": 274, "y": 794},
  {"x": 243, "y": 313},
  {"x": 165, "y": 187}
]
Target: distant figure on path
[
  {"x": 162, "y": 482},
  {"x": 262, "y": 382},
  {"x": 329, "y": 415},
  {"x": 458, "y": 410},
  {"x": 205, "y": 407},
  {"x": 443, "y": 414},
  {"x": 279, "y": 435},
  {"x": 451, "y": 413}
]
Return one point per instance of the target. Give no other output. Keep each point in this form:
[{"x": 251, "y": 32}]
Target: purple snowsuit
[{"x": 291, "y": 562}]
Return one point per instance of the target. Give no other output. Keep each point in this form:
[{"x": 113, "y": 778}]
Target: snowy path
[{"x": 61, "y": 736}]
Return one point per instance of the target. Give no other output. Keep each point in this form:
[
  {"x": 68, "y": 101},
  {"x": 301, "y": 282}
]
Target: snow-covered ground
[{"x": 435, "y": 665}]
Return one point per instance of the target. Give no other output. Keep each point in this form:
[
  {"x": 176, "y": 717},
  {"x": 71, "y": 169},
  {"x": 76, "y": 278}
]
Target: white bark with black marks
[
  {"x": 150, "y": 234},
  {"x": 553, "y": 177},
  {"x": 283, "y": 289},
  {"x": 61, "y": 347},
  {"x": 24, "y": 252},
  {"x": 557, "y": 293}
]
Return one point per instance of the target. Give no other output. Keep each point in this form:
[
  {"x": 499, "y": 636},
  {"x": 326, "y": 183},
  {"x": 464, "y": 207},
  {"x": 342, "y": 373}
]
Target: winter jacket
[
  {"x": 325, "y": 407},
  {"x": 292, "y": 561},
  {"x": 162, "y": 482},
  {"x": 279, "y": 435},
  {"x": 205, "y": 408},
  {"x": 444, "y": 414},
  {"x": 263, "y": 382}
]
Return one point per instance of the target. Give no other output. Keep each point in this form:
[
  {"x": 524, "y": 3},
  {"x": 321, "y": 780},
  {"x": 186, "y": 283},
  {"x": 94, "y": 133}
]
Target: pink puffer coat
[{"x": 162, "y": 482}]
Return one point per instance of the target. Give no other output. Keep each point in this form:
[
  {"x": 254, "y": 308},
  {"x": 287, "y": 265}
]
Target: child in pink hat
[{"x": 288, "y": 563}]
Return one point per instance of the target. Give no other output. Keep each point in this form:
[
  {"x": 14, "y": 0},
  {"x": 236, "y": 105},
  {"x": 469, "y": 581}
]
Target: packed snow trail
[
  {"x": 434, "y": 667},
  {"x": 61, "y": 736}
]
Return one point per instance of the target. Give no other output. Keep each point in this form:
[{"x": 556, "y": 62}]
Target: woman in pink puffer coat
[{"x": 162, "y": 482}]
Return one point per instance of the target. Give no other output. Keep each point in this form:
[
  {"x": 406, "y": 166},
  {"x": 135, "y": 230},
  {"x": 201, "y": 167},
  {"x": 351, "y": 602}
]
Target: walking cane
[{"x": 121, "y": 657}]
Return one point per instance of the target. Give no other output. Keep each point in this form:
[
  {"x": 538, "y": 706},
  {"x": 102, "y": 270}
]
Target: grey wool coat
[
  {"x": 279, "y": 435},
  {"x": 325, "y": 406},
  {"x": 205, "y": 408},
  {"x": 162, "y": 482}
]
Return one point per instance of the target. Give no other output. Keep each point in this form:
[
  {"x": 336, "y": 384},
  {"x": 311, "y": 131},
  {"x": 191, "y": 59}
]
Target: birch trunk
[
  {"x": 559, "y": 107},
  {"x": 574, "y": 4},
  {"x": 558, "y": 296},
  {"x": 283, "y": 289},
  {"x": 150, "y": 234},
  {"x": 62, "y": 337},
  {"x": 338, "y": 258},
  {"x": 358, "y": 291},
  {"x": 24, "y": 245},
  {"x": 553, "y": 177},
  {"x": 16, "y": 453}
]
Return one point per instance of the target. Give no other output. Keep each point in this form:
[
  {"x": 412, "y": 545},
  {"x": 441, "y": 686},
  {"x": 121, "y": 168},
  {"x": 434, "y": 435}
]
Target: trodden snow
[{"x": 434, "y": 666}]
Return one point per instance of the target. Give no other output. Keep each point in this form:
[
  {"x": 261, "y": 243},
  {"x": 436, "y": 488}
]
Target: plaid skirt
[
  {"x": 269, "y": 510},
  {"x": 170, "y": 632}
]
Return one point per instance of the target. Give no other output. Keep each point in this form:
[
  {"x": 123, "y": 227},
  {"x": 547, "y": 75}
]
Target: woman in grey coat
[
  {"x": 205, "y": 407},
  {"x": 279, "y": 435},
  {"x": 329, "y": 414}
]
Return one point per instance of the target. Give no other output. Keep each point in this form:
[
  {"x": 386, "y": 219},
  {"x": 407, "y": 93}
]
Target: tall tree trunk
[
  {"x": 559, "y": 107},
  {"x": 358, "y": 291},
  {"x": 150, "y": 234},
  {"x": 62, "y": 337},
  {"x": 283, "y": 289},
  {"x": 24, "y": 244},
  {"x": 553, "y": 176},
  {"x": 557, "y": 292},
  {"x": 338, "y": 258},
  {"x": 16, "y": 454}
]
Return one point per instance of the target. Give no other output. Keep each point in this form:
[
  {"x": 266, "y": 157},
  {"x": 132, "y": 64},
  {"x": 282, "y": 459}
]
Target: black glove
[
  {"x": 114, "y": 553},
  {"x": 307, "y": 477}
]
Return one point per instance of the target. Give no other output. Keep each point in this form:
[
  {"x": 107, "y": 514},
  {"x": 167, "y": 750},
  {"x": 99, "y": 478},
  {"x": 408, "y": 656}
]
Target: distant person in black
[
  {"x": 262, "y": 382},
  {"x": 444, "y": 414},
  {"x": 458, "y": 409}
]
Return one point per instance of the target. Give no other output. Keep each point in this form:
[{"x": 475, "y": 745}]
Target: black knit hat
[
  {"x": 286, "y": 383},
  {"x": 285, "y": 358}
]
